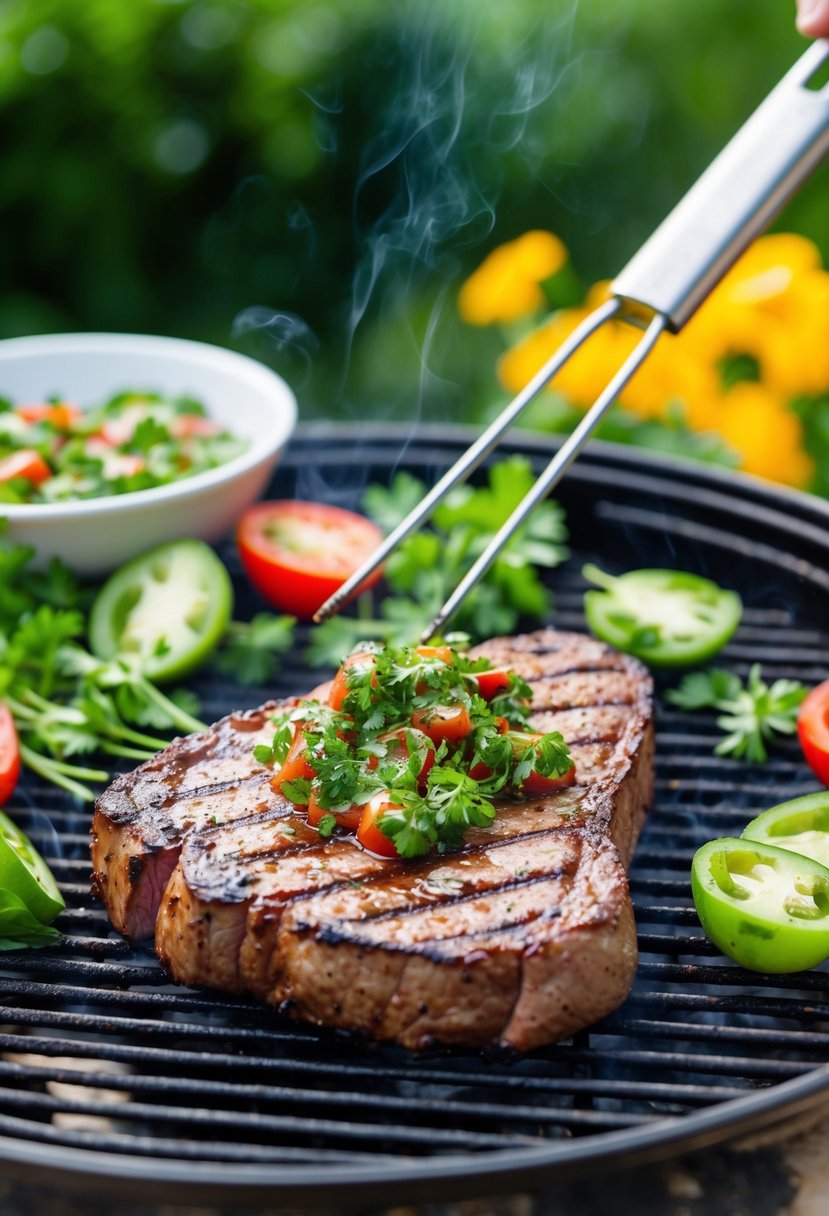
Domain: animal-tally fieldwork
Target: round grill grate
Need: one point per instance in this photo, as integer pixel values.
(109, 1073)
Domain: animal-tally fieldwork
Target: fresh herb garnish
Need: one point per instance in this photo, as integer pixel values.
(428, 565)
(752, 715)
(409, 726)
(251, 650)
(65, 701)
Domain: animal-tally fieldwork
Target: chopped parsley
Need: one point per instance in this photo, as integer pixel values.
(408, 726)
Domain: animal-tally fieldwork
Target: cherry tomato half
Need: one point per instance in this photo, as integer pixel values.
(296, 554)
(813, 730)
(9, 754)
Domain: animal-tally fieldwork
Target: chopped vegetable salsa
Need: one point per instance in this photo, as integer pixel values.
(53, 451)
(411, 748)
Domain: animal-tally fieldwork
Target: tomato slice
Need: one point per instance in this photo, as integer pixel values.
(765, 907)
(24, 872)
(443, 722)
(368, 833)
(813, 731)
(168, 608)
(296, 554)
(9, 754)
(26, 463)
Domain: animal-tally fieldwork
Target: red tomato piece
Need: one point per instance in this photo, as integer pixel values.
(61, 414)
(397, 742)
(346, 817)
(9, 754)
(193, 426)
(813, 731)
(536, 785)
(368, 833)
(296, 554)
(444, 653)
(295, 764)
(26, 463)
(443, 722)
(491, 683)
(339, 685)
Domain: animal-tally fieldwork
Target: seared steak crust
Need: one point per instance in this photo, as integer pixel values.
(522, 936)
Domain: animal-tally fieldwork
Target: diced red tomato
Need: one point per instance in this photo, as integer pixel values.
(295, 764)
(9, 754)
(536, 785)
(190, 426)
(368, 833)
(27, 464)
(61, 414)
(491, 683)
(297, 554)
(339, 685)
(444, 653)
(439, 722)
(813, 731)
(347, 817)
(397, 742)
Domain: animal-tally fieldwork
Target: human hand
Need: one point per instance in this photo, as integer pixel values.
(813, 18)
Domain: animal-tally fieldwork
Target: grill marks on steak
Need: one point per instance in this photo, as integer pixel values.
(522, 936)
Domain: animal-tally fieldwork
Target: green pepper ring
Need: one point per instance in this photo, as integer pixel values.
(774, 923)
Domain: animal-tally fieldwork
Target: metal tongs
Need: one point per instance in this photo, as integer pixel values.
(659, 289)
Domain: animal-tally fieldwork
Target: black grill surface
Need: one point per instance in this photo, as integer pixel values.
(110, 1076)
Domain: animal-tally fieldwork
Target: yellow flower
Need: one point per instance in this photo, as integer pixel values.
(768, 436)
(669, 374)
(773, 305)
(506, 285)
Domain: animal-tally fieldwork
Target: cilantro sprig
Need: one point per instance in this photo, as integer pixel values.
(752, 715)
(425, 567)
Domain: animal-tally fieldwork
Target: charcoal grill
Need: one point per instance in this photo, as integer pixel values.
(201, 1096)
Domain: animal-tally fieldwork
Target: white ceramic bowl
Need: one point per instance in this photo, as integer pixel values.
(95, 535)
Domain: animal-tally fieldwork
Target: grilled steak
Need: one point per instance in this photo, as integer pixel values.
(521, 936)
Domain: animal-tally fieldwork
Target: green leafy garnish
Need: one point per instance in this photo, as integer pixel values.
(413, 728)
(752, 715)
(251, 650)
(426, 567)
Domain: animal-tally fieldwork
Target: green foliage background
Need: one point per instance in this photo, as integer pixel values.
(310, 181)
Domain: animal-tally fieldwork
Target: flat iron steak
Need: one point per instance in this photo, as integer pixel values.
(521, 937)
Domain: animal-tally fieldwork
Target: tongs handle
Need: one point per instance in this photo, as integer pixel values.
(735, 199)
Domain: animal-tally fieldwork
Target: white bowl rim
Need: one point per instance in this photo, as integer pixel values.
(260, 448)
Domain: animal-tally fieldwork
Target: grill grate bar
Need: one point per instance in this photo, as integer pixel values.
(388, 1133)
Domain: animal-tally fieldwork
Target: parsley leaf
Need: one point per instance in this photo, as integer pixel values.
(752, 715)
(252, 649)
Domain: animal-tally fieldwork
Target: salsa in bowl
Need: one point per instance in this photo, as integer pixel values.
(154, 439)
